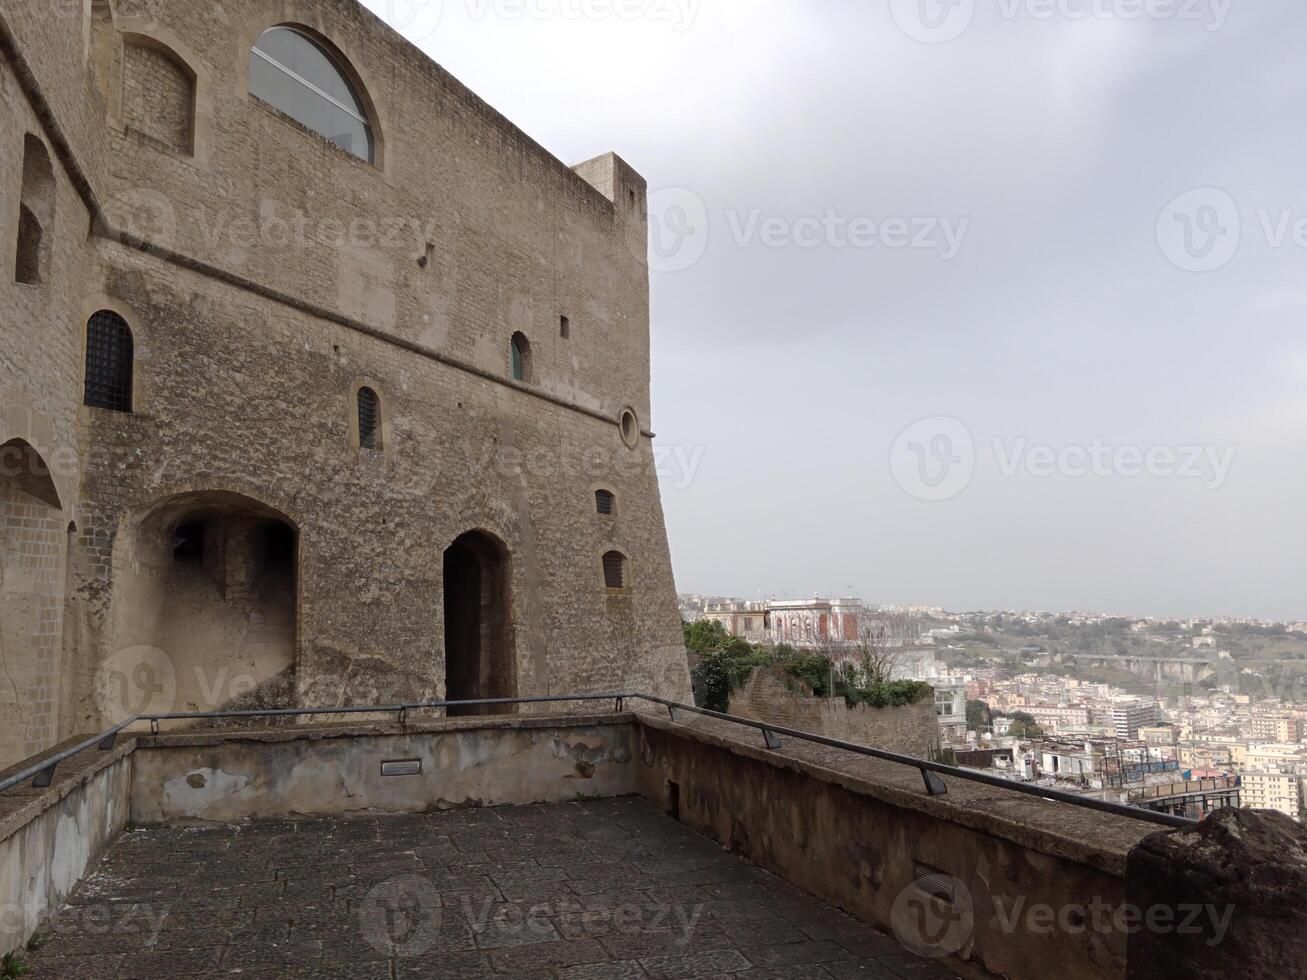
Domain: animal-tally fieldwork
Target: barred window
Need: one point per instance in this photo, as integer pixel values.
(108, 362)
(615, 570)
(605, 502)
(369, 419)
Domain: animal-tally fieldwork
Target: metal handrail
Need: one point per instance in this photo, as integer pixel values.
(43, 772)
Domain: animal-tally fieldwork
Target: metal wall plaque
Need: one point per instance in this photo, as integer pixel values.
(402, 767)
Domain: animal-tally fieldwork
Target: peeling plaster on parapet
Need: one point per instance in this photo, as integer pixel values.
(194, 793)
(71, 854)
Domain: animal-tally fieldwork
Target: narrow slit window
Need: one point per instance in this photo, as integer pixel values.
(564, 327)
(521, 357)
(615, 570)
(109, 356)
(369, 419)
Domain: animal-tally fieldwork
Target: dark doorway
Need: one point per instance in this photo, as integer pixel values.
(478, 643)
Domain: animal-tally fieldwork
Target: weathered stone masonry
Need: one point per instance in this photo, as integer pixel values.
(228, 539)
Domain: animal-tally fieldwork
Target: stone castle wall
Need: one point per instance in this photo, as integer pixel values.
(266, 275)
(768, 695)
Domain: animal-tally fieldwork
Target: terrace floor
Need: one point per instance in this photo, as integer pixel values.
(590, 890)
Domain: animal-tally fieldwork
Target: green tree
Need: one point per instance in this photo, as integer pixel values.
(979, 716)
(1024, 726)
(705, 636)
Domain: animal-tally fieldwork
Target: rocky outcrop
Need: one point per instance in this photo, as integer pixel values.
(1226, 899)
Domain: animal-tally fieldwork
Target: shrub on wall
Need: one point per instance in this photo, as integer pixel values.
(726, 663)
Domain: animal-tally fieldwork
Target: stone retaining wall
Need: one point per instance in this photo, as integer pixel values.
(769, 695)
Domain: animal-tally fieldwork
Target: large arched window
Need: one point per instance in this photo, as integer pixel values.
(108, 362)
(293, 73)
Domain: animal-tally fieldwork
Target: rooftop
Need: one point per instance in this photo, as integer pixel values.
(608, 888)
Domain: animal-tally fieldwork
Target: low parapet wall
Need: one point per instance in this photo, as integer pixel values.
(968, 878)
(989, 881)
(272, 774)
(51, 838)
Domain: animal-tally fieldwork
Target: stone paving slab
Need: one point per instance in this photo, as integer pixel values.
(603, 890)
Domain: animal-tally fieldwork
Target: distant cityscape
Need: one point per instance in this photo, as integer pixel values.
(1182, 716)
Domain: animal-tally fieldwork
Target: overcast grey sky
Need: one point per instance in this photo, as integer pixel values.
(986, 305)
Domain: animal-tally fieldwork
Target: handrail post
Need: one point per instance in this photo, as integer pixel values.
(769, 737)
(934, 785)
(618, 705)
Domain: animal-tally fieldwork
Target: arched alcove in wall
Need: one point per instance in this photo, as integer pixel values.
(206, 607)
(32, 552)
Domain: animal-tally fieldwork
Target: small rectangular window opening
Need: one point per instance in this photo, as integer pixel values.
(564, 327)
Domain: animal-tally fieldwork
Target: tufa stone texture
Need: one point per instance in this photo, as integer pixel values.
(1228, 897)
(229, 536)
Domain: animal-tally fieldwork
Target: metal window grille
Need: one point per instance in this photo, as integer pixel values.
(369, 417)
(605, 502)
(108, 362)
(614, 570)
